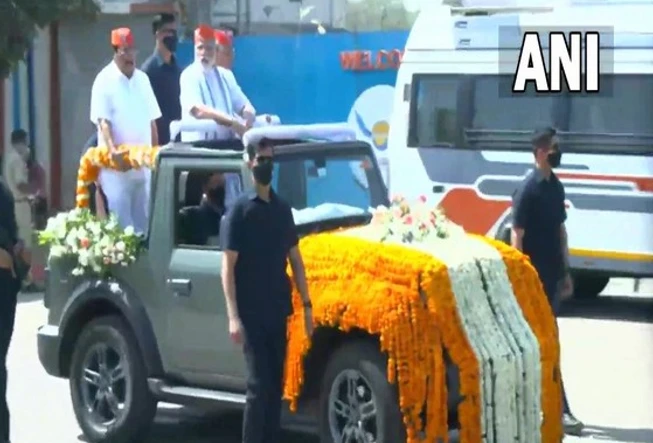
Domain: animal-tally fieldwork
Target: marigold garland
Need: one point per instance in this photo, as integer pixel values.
(401, 295)
(530, 295)
(100, 158)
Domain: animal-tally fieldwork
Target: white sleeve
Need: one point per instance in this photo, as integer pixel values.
(189, 91)
(153, 109)
(238, 98)
(100, 100)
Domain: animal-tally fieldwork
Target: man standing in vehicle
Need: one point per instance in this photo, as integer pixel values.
(125, 110)
(162, 69)
(224, 54)
(208, 93)
(259, 236)
(539, 216)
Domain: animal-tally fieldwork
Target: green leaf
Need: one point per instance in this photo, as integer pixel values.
(20, 20)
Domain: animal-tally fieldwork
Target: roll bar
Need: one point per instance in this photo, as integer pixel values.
(195, 125)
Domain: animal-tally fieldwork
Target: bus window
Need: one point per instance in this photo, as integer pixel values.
(456, 110)
(433, 114)
(624, 106)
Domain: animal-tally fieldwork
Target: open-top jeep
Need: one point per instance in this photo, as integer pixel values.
(395, 342)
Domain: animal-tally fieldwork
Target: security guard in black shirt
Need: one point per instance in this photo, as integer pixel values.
(259, 237)
(539, 215)
(163, 71)
(9, 286)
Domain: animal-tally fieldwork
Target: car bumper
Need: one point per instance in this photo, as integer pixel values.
(49, 342)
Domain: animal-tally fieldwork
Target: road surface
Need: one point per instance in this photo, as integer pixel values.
(607, 348)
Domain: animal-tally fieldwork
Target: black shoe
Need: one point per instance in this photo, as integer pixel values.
(571, 425)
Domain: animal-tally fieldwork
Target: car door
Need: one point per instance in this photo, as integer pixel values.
(197, 324)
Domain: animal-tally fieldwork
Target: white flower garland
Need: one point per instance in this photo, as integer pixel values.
(505, 346)
(523, 342)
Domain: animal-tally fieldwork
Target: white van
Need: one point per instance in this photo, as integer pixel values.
(460, 136)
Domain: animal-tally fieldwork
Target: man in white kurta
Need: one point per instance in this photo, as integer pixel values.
(124, 108)
(210, 92)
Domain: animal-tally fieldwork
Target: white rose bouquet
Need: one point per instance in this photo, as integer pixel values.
(95, 245)
(415, 222)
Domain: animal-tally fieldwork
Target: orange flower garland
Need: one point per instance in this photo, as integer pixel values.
(100, 158)
(537, 311)
(403, 296)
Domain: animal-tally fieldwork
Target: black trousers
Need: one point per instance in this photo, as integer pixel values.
(552, 290)
(8, 291)
(265, 355)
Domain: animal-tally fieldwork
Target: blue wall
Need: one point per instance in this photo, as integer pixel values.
(300, 78)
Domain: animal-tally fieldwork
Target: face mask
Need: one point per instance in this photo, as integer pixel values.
(170, 42)
(263, 173)
(216, 195)
(554, 158)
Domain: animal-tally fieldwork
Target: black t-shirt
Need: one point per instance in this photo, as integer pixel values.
(262, 233)
(164, 78)
(199, 223)
(538, 208)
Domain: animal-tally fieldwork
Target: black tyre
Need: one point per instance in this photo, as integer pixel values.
(356, 398)
(589, 285)
(108, 384)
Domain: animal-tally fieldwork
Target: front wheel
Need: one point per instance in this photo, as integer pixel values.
(357, 403)
(108, 384)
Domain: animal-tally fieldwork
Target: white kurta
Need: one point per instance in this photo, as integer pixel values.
(130, 105)
(217, 88)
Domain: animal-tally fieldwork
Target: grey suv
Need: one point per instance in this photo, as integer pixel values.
(157, 330)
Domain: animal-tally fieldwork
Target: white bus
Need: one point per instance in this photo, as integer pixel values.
(461, 137)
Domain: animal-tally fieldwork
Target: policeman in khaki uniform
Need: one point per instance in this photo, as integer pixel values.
(17, 179)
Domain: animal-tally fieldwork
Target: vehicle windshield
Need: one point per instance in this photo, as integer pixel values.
(328, 185)
(477, 111)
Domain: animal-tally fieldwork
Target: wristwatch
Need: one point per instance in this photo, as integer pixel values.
(308, 305)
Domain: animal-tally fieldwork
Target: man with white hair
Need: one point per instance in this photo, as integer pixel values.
(210, 92)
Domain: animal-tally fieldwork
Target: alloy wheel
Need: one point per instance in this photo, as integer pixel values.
(352, 409)
(105, 385)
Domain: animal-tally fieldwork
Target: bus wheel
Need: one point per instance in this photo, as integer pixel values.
(589, 286)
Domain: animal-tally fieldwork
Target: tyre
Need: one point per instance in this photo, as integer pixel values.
(356, 402)
(108, 384)
(589, 285)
